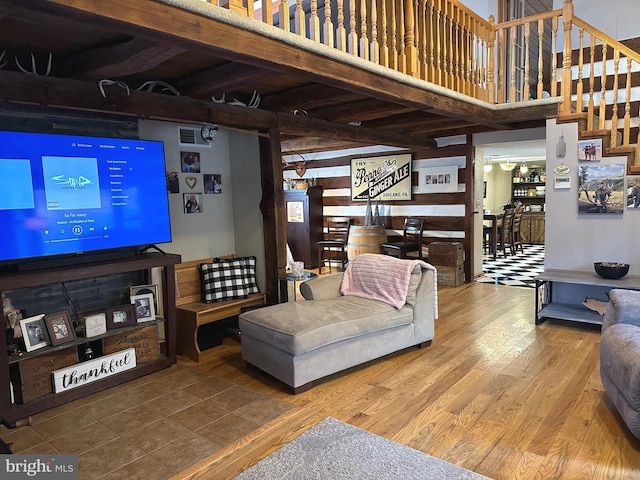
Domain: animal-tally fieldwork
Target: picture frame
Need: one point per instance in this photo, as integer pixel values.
(601, 188)
(144, 307)
(382, 178)
(590, 150)
(142, 289)
(437, 179)
(121, 316)
(59, 328)
(34, 332)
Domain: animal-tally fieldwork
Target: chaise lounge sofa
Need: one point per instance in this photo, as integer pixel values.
(378, 306)
(620, 355)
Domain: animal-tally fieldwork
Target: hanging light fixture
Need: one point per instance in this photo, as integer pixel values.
(523, 168)
(487, 166)
(507, 166)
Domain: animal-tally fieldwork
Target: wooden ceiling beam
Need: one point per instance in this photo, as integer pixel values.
(315, 127)
(363, 110)
(117, 61)
(315, 144)
(21, 88)
(308, 98)
(231, 76)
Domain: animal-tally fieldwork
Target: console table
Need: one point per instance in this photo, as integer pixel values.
(559, 294)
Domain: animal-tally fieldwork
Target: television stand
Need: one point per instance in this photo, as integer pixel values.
(151, 247)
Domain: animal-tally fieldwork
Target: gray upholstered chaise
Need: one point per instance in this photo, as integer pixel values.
(299, 342)
(620, 355)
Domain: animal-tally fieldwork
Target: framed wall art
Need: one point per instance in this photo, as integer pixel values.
(438, 179)
(59, 328)
(601, 188)
(381, 178)
(590, 150)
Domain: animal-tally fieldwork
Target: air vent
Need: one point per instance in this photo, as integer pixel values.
(190, 136)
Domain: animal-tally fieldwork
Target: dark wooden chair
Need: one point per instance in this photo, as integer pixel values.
(515, 231)
(334, 245)
(505, 231)
(411, 239)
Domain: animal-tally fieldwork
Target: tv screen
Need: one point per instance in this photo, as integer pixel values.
(68, 195)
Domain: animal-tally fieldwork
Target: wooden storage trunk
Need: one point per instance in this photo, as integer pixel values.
(450, 276)
(450, 254)
(144, 340)
(32, 377)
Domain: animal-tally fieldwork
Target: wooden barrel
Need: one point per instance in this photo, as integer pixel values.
(365, 240)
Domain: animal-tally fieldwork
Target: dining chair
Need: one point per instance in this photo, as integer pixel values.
(411, 239)
(505, 231)
(334, 245)
(515, 231)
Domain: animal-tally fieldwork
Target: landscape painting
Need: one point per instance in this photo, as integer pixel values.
(633, 192)
(601, 188)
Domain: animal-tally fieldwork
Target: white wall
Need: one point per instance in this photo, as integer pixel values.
(211, 232)
(616, 18)
(574, 241)
(245, 171)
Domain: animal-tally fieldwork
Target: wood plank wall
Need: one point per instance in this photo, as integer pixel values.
(447, 215)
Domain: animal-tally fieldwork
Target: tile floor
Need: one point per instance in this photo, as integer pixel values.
(150, 428)
(517, 270)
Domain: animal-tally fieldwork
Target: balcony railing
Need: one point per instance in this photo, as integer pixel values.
(445, 43)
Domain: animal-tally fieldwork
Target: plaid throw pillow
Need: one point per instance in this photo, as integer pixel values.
(250, 271)
(223, 281)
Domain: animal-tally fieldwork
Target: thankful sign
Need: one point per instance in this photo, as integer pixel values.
(92, 370)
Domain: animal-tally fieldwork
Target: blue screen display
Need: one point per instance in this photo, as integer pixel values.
(62, 194)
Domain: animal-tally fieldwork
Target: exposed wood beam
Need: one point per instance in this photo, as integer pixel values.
(309, 97)
(314, 144)
(301, 125)
(20, 88)
(253, 48)
(231, 76)
(117, 61)
(363, 110)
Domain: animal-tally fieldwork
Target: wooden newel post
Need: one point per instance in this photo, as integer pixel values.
(491, 81)
(410, 49)
(565, 86)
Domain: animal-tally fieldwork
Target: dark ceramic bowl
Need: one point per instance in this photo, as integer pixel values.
(611, 270)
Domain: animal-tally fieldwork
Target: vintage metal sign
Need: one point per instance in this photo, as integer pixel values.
(381, 178)
(92, 370)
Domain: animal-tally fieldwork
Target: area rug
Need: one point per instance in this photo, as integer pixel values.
(334, 450)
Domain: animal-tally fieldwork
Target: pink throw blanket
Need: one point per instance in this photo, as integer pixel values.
(383, 278)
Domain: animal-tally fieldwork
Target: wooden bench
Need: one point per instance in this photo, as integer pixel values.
(191, 312)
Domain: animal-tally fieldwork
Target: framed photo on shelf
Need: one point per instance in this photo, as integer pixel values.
(121, 316)
(142, 289)
(144, 307)
(34, 332)
(59, 328)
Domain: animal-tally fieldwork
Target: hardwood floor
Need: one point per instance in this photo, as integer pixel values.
(493, 393)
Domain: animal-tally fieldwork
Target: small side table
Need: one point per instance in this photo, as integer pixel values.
(295, 280)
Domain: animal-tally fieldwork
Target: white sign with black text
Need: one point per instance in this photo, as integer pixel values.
(92, 370)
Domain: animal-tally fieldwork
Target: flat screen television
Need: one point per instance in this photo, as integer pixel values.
(65, 198)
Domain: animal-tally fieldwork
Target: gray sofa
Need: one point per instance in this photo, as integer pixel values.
(620, 355)
(299, 342)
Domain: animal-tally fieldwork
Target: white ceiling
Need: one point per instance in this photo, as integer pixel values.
(523, 151)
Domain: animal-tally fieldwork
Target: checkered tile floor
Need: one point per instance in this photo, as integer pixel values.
(514, 270)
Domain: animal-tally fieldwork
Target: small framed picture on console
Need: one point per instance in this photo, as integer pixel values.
(60, 328)
(121, 316)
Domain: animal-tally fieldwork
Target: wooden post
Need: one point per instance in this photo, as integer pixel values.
(299, 20)
(579, 86)
(267, 12)
(527, 87)
(384, 46)
(565, 86)
(627, 107)
(352, 43)
(592, 57)
(283, 16)
(603, 88)
(402, 57)
(614, 106)
(410, 40)
(328, 24)
(374, 46)
(540, 59)
(364, 39)
(393, 59)
(491, 83)
(341, 32)
(314, 22)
